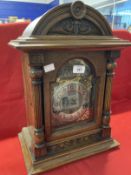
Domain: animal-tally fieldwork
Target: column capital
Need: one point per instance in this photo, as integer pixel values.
(36, 74)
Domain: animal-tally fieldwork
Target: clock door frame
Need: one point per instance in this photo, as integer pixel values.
(97, 59)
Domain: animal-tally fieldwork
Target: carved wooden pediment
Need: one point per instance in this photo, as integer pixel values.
(69, 26)
(70, 19)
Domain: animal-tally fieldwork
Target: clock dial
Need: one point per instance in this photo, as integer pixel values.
(71, 94)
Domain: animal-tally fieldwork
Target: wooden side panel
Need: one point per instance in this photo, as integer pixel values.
(28, 90)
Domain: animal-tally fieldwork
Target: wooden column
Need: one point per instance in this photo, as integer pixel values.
(39, 148)
(111, 64)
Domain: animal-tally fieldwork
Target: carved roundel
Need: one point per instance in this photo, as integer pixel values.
(78, 10)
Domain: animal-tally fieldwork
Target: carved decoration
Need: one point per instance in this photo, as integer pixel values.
(74, 143)
(71, 26)
(78, 10)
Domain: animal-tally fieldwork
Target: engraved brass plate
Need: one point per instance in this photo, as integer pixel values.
(71, 93)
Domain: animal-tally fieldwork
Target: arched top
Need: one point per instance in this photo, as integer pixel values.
(69, 19)
(66, 70)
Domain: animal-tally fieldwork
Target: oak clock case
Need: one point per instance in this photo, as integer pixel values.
(68, 66)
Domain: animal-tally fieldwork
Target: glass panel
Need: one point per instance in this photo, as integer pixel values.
(71, 94)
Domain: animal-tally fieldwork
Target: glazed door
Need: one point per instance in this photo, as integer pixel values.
(71, 86)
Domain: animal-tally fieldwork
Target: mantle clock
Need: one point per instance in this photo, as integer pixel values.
(68, 65)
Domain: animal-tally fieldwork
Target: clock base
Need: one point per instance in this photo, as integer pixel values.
(35, 167)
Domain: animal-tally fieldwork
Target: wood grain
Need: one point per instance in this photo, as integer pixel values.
(63, 34)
